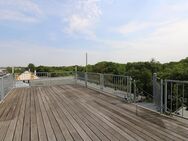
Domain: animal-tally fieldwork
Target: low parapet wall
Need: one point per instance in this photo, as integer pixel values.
(53, 81)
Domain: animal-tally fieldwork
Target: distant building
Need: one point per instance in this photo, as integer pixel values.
(27, 75)
(3, 72)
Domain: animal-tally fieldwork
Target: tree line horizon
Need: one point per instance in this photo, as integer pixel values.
(142, 72)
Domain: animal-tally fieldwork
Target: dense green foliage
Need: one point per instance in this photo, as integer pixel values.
(17, 70)
(140, 71)
(31, 67)
(175, 70)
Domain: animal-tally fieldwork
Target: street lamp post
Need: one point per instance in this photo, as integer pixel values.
(86, 71)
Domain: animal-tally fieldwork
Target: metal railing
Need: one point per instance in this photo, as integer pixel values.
(176, 97)
(118, 85)
(169, 96)
(151, 101)
(54, 74)
(53, 78)
(6, 84)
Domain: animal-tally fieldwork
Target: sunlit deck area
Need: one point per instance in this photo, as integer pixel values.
(72, 112)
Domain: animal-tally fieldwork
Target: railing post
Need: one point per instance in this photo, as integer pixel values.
(101, 81)
(165, 95)
(13, 81)
(134, 91)
(154, 88)
(161, 106)
(130, 88)
(2, 88)
(76, 75)
(86, 79)
(183, 98)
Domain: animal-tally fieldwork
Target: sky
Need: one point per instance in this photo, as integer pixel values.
(60, 32)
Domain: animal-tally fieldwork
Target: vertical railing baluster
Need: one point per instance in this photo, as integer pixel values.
(2, 88)
(161, 106)
(101, 81)
(177, 94)
(86, 77)
(183, 99)
(166, 94)
(76, 75)
(171, 97)
(134, 82)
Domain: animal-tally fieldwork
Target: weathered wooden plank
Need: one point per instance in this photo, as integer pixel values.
(79, 121)
(6, 118)
(124, 124)
(69, 113)
(160, 120)
(19, 125)
(40, 123)
(155, 129)
(66, 121)
(109, 131)
(108, 121)
(170, 124)
(10, 133)
(26, 135)
(62, 125)
(80, 113)
(55, 126)
(48, 127)
(6, 107)
(81, 132)
(34, 129)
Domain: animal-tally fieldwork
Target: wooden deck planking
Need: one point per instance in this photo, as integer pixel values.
(115, 133)
(171, 133)
(81, 115)
(7, 114)
(64, 131)
(69, 112)
(40, 123)
(26, 133)
(19, 125)
(109, 132)
(34, 129)
(12, 126)
(132, 125)
(84, 125)
(54, 123)
(49, 131)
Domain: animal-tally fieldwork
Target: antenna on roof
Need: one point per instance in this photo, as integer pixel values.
(12, 70)
(86, 62)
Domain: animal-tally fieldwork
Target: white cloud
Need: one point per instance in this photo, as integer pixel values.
(132, 27)
(168, 42)
(171, 8)
(140, 26)
(77, 17)
(77, 24)
(81, 16)
(19, 10)
(9, 15)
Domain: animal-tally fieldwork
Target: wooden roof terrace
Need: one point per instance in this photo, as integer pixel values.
(72, 112)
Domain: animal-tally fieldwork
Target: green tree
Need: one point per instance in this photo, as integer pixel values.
(9, 69)
(31, 67)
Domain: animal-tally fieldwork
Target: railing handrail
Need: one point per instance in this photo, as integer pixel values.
(5, 75)
(176, 81)
(105, 74)
(54, 72)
